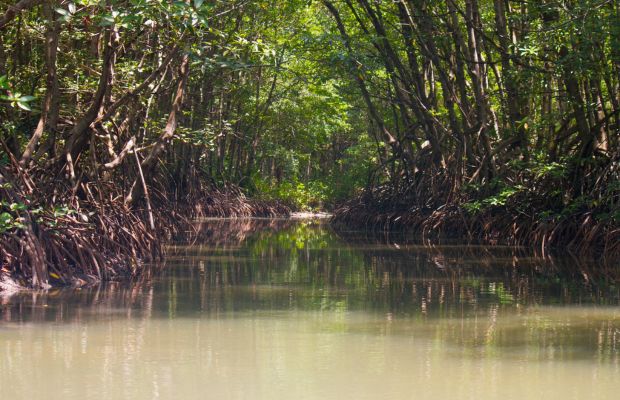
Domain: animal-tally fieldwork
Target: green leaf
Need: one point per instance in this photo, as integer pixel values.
(17, 207)
(107, 20)
(62, 12)
(198, 3)
(24, 106)
(4, 82)
(5, 218)
(6, 222)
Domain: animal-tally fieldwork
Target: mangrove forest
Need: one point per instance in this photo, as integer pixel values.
(309, 199)
(124, 120)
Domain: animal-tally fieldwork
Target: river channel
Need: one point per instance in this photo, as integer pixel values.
(277, 309)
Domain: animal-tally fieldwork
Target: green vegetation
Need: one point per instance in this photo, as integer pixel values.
(497, 113)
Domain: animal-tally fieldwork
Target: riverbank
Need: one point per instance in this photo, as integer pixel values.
(88, 234)
(584, 231)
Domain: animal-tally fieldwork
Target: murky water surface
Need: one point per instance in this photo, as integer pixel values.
(290, 310)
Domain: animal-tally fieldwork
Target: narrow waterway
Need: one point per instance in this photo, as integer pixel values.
(291, 310)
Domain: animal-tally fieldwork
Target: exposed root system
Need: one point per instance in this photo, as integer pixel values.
(87, 234)
(579, 233)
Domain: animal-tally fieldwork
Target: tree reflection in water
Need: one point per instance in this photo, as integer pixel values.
(480, 299)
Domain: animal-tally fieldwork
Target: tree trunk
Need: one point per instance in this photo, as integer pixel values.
(14, 10)
(50, 108)
(79, 136)
(167, 135)
(509, 77)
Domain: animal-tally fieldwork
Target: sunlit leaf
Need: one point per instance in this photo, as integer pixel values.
(24, 106)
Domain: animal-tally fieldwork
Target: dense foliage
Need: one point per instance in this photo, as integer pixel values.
(506, 111)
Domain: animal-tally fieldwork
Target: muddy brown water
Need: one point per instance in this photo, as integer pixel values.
(292, 310)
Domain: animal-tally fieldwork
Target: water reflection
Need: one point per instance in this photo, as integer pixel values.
(476, 297)
(274, 309)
